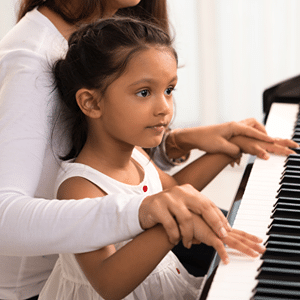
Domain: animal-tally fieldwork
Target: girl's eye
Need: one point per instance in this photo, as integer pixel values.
(143, 93)
(169, 91)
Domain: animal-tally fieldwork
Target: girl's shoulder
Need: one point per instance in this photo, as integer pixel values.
(141, 157)
(71, 170)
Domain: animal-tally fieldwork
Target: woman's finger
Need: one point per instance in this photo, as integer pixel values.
(255, 124)
(252, 132)
(286, 143)
(185, 222)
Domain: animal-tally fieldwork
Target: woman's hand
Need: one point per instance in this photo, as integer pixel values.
(262, 149)
(236, 239)
(214, 138)
(174, 208)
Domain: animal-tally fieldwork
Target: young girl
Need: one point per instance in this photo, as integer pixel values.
(116, 85)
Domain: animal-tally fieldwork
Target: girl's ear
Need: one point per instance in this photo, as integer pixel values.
(88, 102)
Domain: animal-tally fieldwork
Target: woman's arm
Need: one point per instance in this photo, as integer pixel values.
(262, 149)
(204, 169)
(27, 171)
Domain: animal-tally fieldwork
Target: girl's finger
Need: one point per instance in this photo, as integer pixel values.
(244, 242)
(220, 248)
(286, 143)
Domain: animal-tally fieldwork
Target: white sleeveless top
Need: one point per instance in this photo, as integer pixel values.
(168, 281)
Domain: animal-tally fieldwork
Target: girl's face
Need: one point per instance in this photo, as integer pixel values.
(138, 106)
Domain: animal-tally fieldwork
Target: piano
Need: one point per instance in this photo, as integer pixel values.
(270, 209)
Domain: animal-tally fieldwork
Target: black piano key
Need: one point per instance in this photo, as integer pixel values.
(291, 180)
(295, 206)
(266, 292)
(279, 268)
(264, 297)
(287, 200)
(273, 242)
(289, 194)
(296, 139)
(288, 171)
(297, 150)
(284, 222)
(292, 160)
(289, 186)
(279, 278)
(292, 166)
(279, 256)
(296, 156)
(284, 248)
(283, 231)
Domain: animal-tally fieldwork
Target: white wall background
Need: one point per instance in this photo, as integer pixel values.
(230, 51)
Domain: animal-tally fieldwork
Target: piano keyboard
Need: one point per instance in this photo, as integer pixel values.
(278, 270)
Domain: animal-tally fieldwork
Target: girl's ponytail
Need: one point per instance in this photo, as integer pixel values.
(70, 112)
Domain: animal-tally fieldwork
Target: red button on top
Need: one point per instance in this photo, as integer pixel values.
(145, 188)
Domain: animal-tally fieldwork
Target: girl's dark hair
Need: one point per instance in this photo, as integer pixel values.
(150, 10)
(98, 54)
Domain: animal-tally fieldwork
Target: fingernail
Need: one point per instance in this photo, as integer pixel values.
(228, 226)
(189, 245)
(266, 156)
(223, 232)
(262, 248)
(226, 261)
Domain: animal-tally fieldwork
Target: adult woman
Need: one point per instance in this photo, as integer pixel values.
(31, 228)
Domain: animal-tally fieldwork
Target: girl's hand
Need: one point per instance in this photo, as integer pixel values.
(236, 239)
(262, 149)
(214, 138)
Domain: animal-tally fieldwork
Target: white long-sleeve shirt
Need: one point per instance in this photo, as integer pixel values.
(31, 227)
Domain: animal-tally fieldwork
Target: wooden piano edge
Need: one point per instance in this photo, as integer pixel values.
(231, 217)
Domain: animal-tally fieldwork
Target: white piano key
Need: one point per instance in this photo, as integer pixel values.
(236, 280)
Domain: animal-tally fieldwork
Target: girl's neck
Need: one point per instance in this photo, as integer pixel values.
(115, 162)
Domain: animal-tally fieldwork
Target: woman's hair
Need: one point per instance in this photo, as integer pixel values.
(98, 54)
(151, 10)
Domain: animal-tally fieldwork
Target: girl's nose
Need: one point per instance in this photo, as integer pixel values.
(164, 105)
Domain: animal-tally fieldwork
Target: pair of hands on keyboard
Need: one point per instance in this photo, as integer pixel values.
(230, 138)
(187, 214)
(262, 148)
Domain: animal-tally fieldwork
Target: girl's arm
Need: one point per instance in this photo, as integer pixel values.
(198, 173)
(114, 274)
(203, 170)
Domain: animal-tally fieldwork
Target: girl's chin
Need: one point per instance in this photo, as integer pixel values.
(152, 144)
